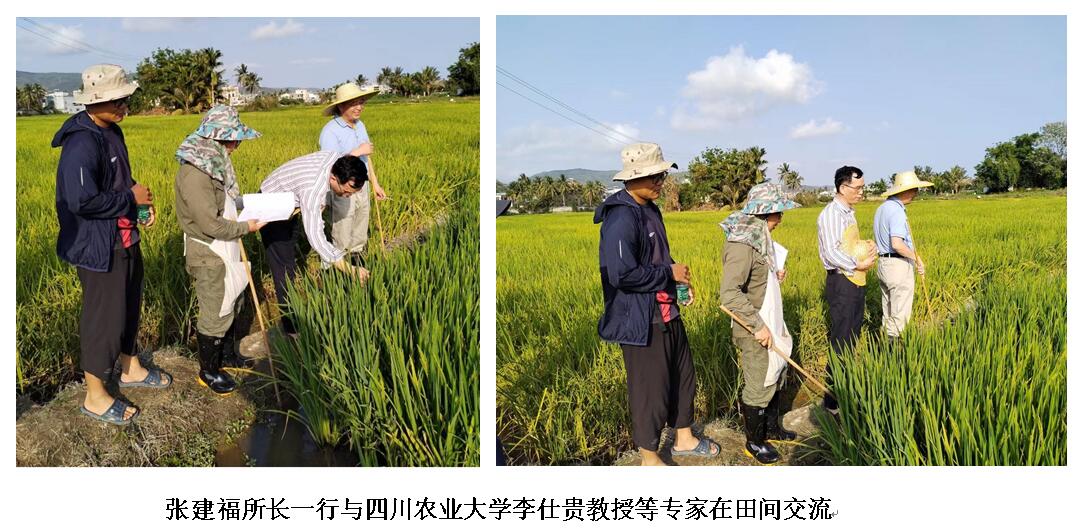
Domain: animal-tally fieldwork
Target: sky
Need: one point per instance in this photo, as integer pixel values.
(294, 52)
(818, 92)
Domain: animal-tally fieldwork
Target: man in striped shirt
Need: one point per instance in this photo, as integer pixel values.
(309, 178)
(845, 300)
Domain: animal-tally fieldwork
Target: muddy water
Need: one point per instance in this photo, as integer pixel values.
(275, 441)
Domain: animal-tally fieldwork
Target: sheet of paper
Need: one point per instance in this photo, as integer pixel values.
(780, 256)
(267, 207)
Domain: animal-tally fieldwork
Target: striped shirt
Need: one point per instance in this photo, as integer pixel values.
(307, 178)
(833, 220)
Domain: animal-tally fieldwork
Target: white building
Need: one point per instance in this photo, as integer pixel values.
(64, 102)
(302, 94)
(234, 97)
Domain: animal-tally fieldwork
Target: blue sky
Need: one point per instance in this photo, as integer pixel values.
(306, 52)
(883, 93)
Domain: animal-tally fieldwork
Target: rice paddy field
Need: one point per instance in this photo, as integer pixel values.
(981, 379)
(427, 159)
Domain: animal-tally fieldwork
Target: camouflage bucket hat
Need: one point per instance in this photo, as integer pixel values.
(767, 198)
(223, 123)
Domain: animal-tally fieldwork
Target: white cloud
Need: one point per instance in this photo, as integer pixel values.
(539, 147)
(272, 30)
(149, 25)
(736, 86)
(60, 39)
(814, 129)
(312, 60)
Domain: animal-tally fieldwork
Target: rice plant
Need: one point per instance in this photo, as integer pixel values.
(391, 367)
(561, 393)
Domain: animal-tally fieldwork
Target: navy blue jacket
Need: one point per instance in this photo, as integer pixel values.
(86, 204)
(629, 281)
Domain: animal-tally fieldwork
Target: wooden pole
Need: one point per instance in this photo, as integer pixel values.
(777, 351)
(379, 225)
(262, 325)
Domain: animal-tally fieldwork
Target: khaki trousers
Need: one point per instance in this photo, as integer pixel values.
(897, 293)
(350, 221)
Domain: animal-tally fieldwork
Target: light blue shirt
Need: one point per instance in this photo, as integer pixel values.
(890, 221)
(339, 137)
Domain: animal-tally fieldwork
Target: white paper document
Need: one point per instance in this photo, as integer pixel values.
(267, 207)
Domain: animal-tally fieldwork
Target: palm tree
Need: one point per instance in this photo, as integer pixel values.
(242, 74)
(428, 79)
(361, 80)
(789, 178)
(594, 193)
(209, 64)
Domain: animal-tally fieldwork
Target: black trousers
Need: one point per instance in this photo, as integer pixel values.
(846, 312)
(661, 383)
(109, 322)
(280, 241)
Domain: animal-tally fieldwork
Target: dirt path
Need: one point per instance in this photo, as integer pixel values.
(183, 425)
(732, 441)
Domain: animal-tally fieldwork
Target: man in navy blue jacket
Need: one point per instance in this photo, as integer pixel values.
(97, 207)
(639, 284)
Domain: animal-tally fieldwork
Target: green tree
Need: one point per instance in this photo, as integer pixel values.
(429, 80)
(1054, 136)
(999, 170)
(464, 77)
(361, 80)
(725, 176)
(877, 188)
(789, 178)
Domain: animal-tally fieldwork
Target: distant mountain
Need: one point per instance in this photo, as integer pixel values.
(589, 175)
(65, 82)
(580, 175)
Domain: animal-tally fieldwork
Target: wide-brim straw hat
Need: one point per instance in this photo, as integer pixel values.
(767, 198)
(104, 82)
(223, 123)
(904, 181)
(642, 159)
(349, 92)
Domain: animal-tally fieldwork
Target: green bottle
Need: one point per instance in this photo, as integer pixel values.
(144, 213)
(684, 297)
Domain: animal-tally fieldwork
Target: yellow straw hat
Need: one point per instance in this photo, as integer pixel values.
(349, 92)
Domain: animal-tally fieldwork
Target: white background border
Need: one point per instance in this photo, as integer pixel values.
(882, 496)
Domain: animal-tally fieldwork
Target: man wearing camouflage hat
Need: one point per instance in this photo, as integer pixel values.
(639, 285)
(748, 261)
(206, 193)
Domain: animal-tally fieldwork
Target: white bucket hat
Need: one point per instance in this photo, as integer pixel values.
(104, 82)
(903, 181)
(349, 92)
(642, 159)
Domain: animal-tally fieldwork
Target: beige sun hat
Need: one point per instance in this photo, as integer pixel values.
(104, 82)
(903, 181)
(642, 159)
(349, 92)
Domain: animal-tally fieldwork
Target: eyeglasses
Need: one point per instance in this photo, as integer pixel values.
(659, 178)
(122, 102)
(859, 188)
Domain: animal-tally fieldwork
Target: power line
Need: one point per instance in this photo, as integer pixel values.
(557, 101)
(581, 124)
(78, 42)
(72, 43)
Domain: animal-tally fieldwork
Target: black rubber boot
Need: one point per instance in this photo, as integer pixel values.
(231, 358)
(775, 431)
(756, 444)
(210, 364)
